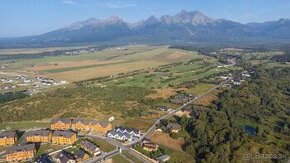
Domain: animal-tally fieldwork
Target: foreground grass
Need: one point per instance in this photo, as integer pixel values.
(104, 146)
(131, 157)
(119, 159)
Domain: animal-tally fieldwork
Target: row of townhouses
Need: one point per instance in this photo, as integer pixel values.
(80, 125)
(124, 133)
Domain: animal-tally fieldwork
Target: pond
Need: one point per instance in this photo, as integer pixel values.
(250, 130)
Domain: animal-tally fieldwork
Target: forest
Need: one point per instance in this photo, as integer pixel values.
(222, 133)
(10, 96)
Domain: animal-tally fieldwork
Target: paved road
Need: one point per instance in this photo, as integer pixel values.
(127, 146)
(152, 128)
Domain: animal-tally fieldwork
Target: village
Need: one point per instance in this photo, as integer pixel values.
(27, 84)
(74, 138)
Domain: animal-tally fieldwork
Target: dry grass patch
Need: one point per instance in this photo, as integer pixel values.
(164, 93)
(176, 55)
(166, 140)
(142, 124)
(83, 74)
(209, 98)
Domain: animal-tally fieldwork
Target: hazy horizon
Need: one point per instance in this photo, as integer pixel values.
(36, 17)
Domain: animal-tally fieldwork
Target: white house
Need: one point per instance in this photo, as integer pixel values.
(120, 136)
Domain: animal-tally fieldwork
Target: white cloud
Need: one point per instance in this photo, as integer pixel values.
(69, 2)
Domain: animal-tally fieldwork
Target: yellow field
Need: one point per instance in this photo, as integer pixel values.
(96, 64)
(89, 73)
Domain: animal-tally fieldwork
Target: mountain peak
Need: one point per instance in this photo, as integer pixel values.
(194, 18)
(88, 22)
(151, 20)
(114, 20)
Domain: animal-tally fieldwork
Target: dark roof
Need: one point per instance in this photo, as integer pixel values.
(10, 134)
(188, 109)
(64, 157)
(79, 154)
(101, 123)
(17, 148)
(64, 120)
(87, 145)
(83, 121)
(173, 126)
(67, 134)
(38, 132)
(43, 159)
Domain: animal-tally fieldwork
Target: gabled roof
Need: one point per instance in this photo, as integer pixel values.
(150, 145)
(66, 134)
(10, 134)
(101, 123)
(79, 120)
(79, 154)
(38, 132)
(89, 146)
(63, 120)
(64, 157)
(187, 109)
(120, 134)
(129, 130)
(43, 159)
(173, 126)
(18, 148)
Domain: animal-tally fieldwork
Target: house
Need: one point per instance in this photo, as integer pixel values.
(90, 148)
(79, 155)
(187, 111)
(120, 136)
(148, 145)
(163, 158)
(39, 136)
(132, 131)
(173, 127)
(100, 126)
(20, 152)
(164, 108)
(64, 157)
(60, 124)
(43, 159)
(80, 124)
(63, 137)
(8, 138)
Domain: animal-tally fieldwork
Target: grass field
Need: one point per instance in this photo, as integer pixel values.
(101, 63)
(104, 146)
(119, 159)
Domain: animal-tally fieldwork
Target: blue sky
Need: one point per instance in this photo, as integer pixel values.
(29, 17)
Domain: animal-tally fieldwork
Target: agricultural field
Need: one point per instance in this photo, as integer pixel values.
(114, 82)
(94, 64)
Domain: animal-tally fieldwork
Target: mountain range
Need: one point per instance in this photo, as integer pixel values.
(184, 27)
